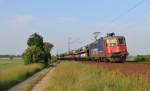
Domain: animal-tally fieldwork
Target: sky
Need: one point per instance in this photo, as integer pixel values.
(58, 20)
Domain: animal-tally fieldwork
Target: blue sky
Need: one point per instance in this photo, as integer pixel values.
(56, 20)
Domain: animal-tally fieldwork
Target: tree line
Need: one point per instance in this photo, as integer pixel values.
(7, 56)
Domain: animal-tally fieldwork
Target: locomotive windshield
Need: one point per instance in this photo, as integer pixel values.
(112, 42)
(121, 40)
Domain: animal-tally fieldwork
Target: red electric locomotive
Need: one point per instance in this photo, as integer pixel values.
(115, 48)
(109, 49)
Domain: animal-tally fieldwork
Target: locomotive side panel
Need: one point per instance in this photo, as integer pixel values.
(96, 49)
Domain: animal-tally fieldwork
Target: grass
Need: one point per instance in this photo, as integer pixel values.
(7, 63)
(74, 76)
(13, 72)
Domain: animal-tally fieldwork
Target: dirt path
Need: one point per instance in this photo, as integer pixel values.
(29, 82)
(41, 85)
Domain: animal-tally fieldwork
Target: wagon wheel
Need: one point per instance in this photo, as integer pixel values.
(106, 60)
(123, 59)
(116, 60)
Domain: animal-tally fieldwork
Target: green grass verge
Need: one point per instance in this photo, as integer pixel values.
(74, 76)
(12, 74)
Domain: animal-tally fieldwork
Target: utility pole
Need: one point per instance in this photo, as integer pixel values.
(71, 41)
(69, 38)
(57, 52)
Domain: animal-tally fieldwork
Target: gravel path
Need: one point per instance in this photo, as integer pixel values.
(19, 86)
(41, 85)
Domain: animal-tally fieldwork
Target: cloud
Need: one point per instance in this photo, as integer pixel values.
(15, 22)
(21, 21)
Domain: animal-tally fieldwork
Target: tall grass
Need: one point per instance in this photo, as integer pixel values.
(73, 76)
(11, 76)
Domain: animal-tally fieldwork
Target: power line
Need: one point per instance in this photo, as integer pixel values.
(129, 10)
(126, 12)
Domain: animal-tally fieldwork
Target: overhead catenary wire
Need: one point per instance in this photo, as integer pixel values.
(129, 10)
(114, 20)
(126, 12)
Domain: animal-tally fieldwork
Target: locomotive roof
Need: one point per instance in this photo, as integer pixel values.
(102, 38)
(112, 37)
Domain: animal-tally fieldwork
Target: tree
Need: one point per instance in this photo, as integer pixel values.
(35, 40)
(37, 51)
(27, 56)
(47, 48)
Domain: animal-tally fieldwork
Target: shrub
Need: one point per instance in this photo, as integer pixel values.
(140, 58)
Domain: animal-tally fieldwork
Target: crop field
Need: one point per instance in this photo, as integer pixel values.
(8, 64)
(14, 71)
(75, 76)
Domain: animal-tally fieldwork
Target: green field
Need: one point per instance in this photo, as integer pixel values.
(74, 76)
(14, 71)
(7, 63)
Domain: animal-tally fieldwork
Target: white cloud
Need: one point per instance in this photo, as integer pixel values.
(21, 21)
(15, 22)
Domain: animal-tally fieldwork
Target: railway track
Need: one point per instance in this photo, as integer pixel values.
(139, 62)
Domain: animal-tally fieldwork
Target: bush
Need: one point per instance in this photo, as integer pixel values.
(140, 58)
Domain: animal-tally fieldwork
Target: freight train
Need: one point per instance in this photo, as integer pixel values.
(110, 48)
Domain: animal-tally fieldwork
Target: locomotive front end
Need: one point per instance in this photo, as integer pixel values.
(116, 49)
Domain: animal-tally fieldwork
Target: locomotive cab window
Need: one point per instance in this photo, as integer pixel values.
(121, 40)
(112, 42)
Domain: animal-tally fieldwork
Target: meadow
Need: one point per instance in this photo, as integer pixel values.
(6, 63)
(14, 71)
(74, 76)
